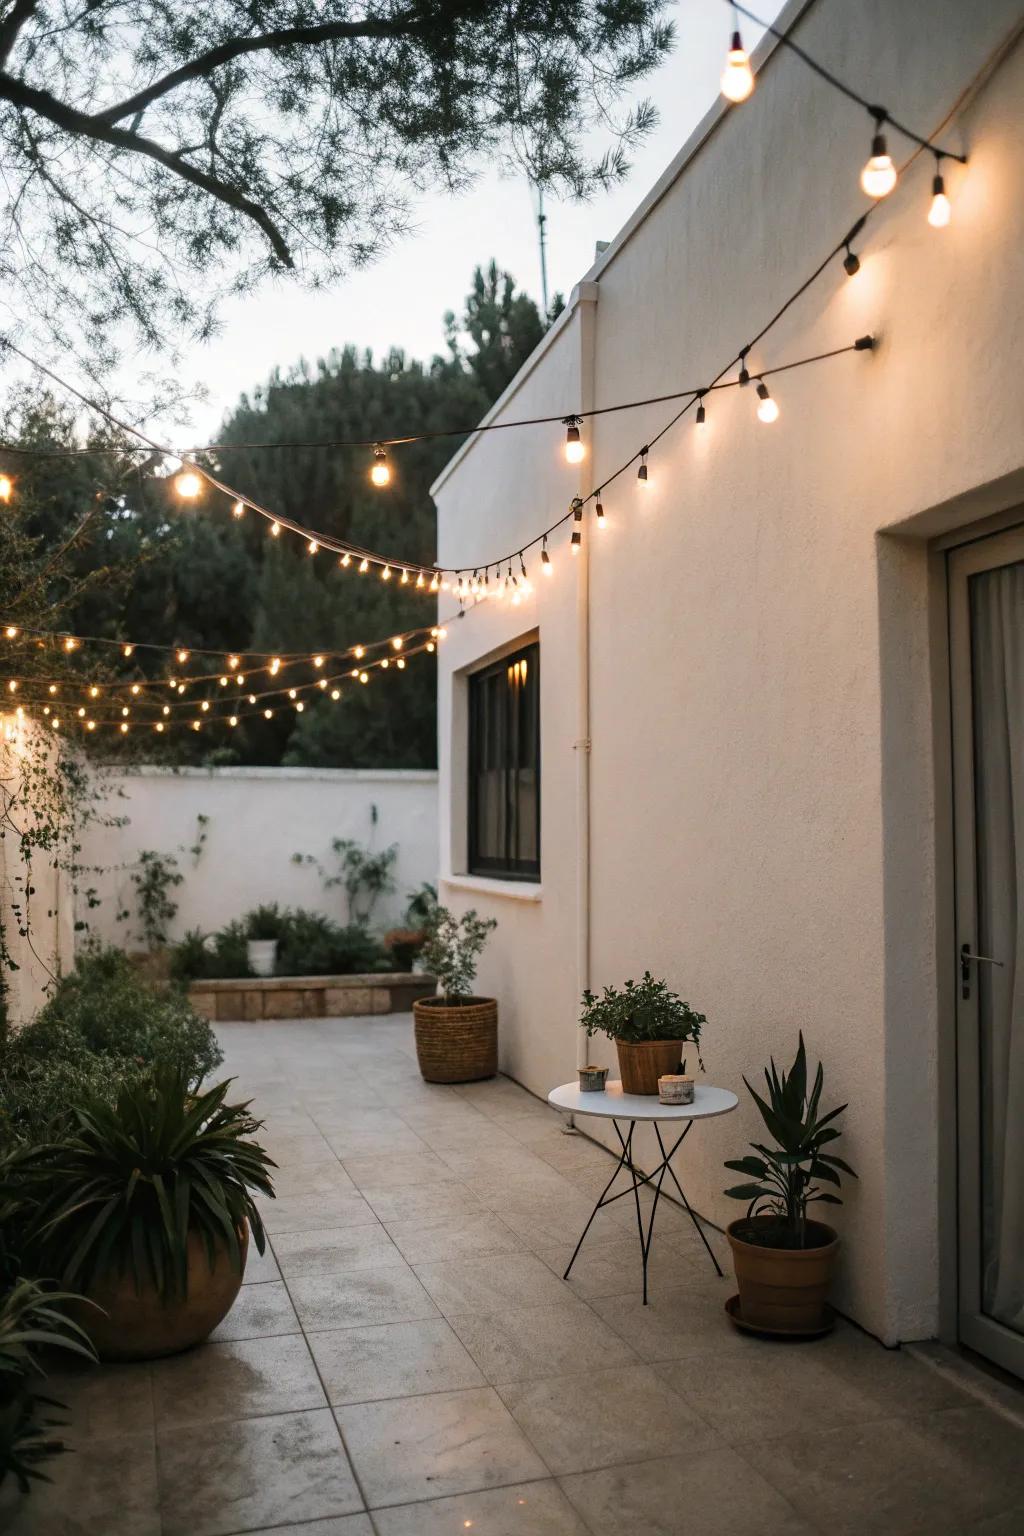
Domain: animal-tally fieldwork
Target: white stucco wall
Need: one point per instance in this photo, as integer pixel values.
(762, 776)
(258, 818)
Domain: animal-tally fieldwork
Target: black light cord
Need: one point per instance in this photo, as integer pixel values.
(880, 114)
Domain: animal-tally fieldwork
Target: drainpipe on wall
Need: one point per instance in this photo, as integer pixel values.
(586, 300)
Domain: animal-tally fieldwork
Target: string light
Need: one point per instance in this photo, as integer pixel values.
(363, 677)
(6, 487)
(767, 408)
(127, 650)
(182, 657)
(11, 632)
(70, 643)
(545, 558)
(879, 174)
(575, 541)
(599, 513)
(275, 529)
(238, 510)
(364, 566)
(335, 694)
(380, 471)
(312, 546)
(397, 643)
(641, 473)
(737, 78)
(385, 574)
(232, 720)
(188, 485)
(405, 579)
(701, 414)
(575, 452)
(346, 560)
(940, 212)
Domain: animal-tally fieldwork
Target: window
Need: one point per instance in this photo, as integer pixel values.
(504, 767)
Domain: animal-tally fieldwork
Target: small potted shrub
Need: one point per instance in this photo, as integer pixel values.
(784, 1261)
(649, 1024)
(456, 1033)
(145, 1207)
(263, 927)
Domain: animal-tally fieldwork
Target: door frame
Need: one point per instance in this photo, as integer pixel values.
(955, 558)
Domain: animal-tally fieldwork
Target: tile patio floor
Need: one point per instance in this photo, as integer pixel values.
(408, 1361)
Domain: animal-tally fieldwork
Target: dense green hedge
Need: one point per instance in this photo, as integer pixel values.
(104, 1024)
(308, 944)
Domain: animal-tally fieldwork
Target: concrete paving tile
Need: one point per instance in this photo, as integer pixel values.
(523, 1509)
(108, 1489)
(241, 1380)
(492, 1282)
(332, 1251)
(260, 1311)
(390, 1293)
(392, 1360)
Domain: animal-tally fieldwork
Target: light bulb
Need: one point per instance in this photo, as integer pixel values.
(159, 726)
(124, 728)
(396, 644)
(188, 485)
(702, 415)
(238, 510)
(575, 452)
(879, 174)
(602, 521)
(346, 560)
(335, 694)
(233, 663)
(6, 487)
(182, 657)
(11, 632)
(70, 643)
(364, 566)
(545, 559)
(940, 211)
(380, 472)
(268, 714)
(127, 650)
(385, 574)
(359, 652)
(363, 677)
(312, 546)
(737, 79)
(400, 664)
(405, 578)
(641, 474)
(421, 580)
(299, 707)
(575, 541)
(767, 409)
(851, 263)
(275, 529)
(232, 719)
(318, 661)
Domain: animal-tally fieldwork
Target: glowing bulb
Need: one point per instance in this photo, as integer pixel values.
(188, 485)
(312, 546)
(70, 643)
(232, 720)
(442, 633)
(405, 579)
(275, 665)
(94, 692)
(575, 452)
(12, 686)
(641, 473)
(275, 529)
(322, 683)
(737, 80)
(55, 723)
(879, 174)
(385, 663)
(299, 707)
(197, 725)
(11, 632)
(293, 693)
(575, 541)
(346, 560)
(159, 726)
(124, 709)
(318, 661)
(166, 709)
(124, 728)
(364, 566)
(396, 644)
(400, 664)
(767, 409)
(127, 650)
(363, 677)
(135, 688)
(385, 574)
(335, 694)
(421, 580)
(81, 714)
(182, 657)
(545, 559)
(380, 472)
(224, 682)
(233, 663)
(431, 647)
(602, 521)
(359, 652)
(268, 714)
(52, 688)
(940, 212)
(90, 725)
(6, 487)
(238, 510)
(204, 706)
(434, 583)
(181, 687)
(252, 698)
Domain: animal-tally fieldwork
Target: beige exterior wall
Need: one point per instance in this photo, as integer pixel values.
(763, 823)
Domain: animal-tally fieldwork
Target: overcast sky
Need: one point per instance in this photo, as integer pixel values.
(401, 299)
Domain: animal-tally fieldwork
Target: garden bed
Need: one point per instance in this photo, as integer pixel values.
(308, 997)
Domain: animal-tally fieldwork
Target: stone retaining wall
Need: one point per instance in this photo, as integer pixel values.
(308, 997)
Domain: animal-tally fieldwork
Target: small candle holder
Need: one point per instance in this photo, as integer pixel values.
(593, 1079)
(675, 1088)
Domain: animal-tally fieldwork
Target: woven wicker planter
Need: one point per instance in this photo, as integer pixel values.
(642, 1062)
(456, 1042)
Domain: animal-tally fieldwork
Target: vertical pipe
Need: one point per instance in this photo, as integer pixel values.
(587, 302)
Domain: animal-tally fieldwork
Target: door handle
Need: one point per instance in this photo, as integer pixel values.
(966, 960)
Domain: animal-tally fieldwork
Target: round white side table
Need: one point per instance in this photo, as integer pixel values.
(614, 1105)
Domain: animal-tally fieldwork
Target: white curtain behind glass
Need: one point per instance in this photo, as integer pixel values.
(997, 647)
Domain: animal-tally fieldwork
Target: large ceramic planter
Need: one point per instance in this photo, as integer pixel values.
(783, 1290)
(137, 1325)
(456, 1042)
(642, 1062)
(262, 956)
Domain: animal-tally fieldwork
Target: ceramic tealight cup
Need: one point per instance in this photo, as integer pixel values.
(675, 1088)
(592, 1079)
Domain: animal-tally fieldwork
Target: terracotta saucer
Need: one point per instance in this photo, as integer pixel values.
(732, 1308)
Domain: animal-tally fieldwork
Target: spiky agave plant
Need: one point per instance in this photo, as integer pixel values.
(31, 1319)
(787, 1178)
(131, 1181)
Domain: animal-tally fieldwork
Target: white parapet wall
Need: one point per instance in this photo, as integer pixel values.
(256, 820)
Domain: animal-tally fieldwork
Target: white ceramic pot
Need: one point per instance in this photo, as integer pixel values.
(262, 955)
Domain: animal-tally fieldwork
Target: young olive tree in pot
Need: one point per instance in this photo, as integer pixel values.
(649, 1024)
(784, 1260)
(456, 1033)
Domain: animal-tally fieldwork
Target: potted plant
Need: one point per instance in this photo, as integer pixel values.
(263, 930)
(649, 1025)
(784, 1261)
(144, 1207)
(456, 1033)
(406, 943)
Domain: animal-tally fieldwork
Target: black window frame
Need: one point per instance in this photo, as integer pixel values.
(509, 865)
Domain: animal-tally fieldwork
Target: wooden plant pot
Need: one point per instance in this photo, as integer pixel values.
(456, 1042)
(783, 1289)
(137, 1325)
(641, 1063)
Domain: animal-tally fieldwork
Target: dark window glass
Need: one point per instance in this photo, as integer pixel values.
(504, 767)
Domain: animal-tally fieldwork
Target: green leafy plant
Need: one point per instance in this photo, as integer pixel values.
(642, 1010)
(200, 955)
(452, 949)
(264, 922)
(124, 1189)
(421, 906)
(364, 875)
(31, 1320)
(783, 1180)
(103, 1025)
(314, 945)
(156, 875)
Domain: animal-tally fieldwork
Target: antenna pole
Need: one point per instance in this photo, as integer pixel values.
(542, 220)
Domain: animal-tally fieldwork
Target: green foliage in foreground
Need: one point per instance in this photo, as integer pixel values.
(129, 1183)
(785, 1179)
(31, 1320)
(104, 1025)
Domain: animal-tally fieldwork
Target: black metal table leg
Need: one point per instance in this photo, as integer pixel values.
(601, 1200)
(682, 1196)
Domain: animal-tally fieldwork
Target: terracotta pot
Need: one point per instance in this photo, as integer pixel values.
(456, 1042)
(137, 1325)
(643, 1062)
(783, 1288)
